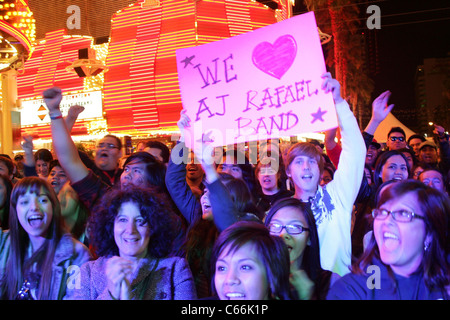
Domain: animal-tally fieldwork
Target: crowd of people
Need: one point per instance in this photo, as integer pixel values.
(346, 219)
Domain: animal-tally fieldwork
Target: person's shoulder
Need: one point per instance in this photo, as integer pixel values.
(4, 233)
(351, 286)
(4, 237)
(69, 246)
(173, 263)
(95, 265)
(283, 193)
(171, 260)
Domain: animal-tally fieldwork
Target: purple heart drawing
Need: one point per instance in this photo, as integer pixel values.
(276, 59)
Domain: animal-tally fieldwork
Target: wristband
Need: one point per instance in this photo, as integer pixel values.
(56, 117)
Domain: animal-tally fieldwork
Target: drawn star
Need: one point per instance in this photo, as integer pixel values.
(318, 115)
(187, 61)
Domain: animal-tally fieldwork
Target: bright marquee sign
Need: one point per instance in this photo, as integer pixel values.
(35, 112)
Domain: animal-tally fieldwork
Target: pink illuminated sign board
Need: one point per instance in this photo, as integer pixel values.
(258, 85)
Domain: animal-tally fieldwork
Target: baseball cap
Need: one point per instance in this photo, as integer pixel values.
(427, 143)
(375, 144)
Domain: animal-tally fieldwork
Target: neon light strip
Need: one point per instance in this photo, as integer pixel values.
(23, 39)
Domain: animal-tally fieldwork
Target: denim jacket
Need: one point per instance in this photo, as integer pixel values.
(69, 256)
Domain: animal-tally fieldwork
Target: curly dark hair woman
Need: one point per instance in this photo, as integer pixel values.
(132, 232)
(154, 208)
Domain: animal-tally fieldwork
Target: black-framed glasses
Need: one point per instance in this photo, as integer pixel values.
(290, 228)
(398, 215)
(401, 139)
(107, 146)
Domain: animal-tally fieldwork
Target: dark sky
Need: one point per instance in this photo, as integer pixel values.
(410, 31)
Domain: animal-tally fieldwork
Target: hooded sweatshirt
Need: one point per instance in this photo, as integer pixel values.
(378, 284)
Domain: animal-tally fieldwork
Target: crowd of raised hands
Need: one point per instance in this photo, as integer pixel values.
(308, 221)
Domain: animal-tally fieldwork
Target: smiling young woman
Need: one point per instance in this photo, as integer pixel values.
(36, 251)
(247, 263)
(408, 248)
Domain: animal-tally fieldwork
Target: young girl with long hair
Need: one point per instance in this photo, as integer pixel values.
(248, 263)
(37, 256)
(294, 222)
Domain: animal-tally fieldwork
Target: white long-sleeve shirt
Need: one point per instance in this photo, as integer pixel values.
(333, 203)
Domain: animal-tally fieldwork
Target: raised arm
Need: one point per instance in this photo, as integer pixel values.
(349, 174)
(223, 208)
(380, 110)
(72, 116)
(176, 183)
(444, 154)
(29, 165)
(335, 230)
(332, 147)
(65, 149)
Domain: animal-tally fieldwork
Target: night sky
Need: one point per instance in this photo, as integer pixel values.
(405, 40)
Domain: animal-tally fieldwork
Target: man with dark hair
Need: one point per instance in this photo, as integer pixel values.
(396, 139)
(159, 150)
(18, 161)
(107, 154)
(6, 166)
(428, 153)
(83, 178)
(373, 150)
(414, 142)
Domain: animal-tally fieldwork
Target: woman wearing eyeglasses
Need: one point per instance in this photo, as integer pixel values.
(406, 258)
(294, 222)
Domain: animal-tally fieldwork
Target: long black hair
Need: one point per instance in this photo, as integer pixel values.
(17, 264)
(311, 256)
(155, 170)
(272, 251)
(4, 220)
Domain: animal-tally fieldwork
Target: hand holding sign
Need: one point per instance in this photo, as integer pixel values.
(183, 123)
(260, 85)
(332, 85)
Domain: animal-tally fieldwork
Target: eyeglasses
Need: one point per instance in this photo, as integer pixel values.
(399, 215)
(401, 139)
(290, 228)
(107, 146)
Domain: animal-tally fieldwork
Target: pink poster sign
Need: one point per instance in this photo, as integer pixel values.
(259, 85)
